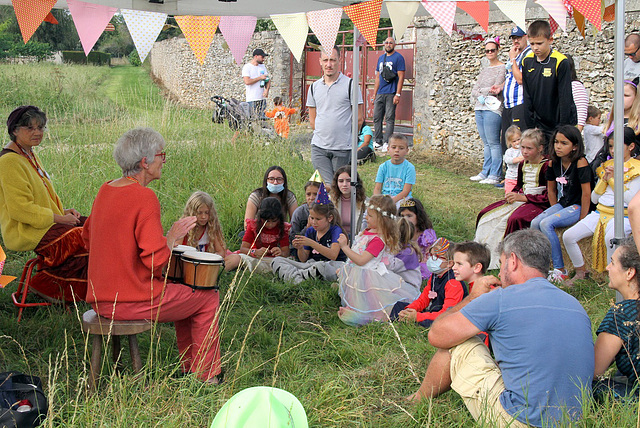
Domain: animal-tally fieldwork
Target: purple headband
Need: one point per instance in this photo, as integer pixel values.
(16, 115)
(631, 83)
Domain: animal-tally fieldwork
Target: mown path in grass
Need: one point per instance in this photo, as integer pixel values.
(272, 333)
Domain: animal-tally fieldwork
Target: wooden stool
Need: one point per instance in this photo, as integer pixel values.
(99, 327)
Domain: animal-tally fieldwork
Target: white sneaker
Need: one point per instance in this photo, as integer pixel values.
(377, 145)
(384, 148)
(491, 181)
(557, 276)
(477, 177)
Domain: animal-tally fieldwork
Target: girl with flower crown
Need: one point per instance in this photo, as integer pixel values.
(368, 289)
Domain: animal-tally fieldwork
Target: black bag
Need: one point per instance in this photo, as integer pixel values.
(15, 387)
(388, 74)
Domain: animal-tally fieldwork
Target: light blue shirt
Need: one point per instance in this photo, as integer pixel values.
(542, 342)
(394, 177)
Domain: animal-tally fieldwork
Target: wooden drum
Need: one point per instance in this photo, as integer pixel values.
(201, 270)
(175, 273)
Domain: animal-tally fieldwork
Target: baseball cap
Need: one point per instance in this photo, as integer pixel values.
(259, 52)
(517, 32)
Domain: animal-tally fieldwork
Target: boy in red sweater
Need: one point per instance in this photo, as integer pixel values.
(441, 292)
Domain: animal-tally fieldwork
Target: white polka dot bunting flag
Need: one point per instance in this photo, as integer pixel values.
(514, 9)
(444, 12)
(144, 28)
(237, 32)
(294, 29)
(325, 25)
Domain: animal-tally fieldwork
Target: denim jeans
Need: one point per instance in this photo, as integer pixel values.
(489, 124)
(549, 220)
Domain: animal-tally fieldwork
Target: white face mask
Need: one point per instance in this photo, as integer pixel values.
(434, 265)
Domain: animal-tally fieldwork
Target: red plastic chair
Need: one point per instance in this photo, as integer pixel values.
(23, 289)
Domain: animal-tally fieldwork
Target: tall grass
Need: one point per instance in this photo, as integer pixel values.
(272, 333)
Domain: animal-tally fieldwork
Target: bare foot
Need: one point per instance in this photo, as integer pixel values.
(414, 398)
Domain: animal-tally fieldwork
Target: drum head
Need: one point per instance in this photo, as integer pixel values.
(182, 248)
(202, 257)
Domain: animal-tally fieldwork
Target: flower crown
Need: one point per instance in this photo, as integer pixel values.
(381, 211)
(406, 203)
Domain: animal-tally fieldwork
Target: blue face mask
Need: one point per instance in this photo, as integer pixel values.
(434, 265)
(275, 188)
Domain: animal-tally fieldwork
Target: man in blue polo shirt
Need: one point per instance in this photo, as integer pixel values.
(329, 102)
(513, 112)
(543, 358)
(388, 89)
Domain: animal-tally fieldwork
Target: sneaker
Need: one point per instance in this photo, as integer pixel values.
(491, 181)
(377, 145)
(557, 276)
(478, 177)
(499, 185)
(384, 148)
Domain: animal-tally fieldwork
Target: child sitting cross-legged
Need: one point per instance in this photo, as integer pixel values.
(300, 217)
(441, 292)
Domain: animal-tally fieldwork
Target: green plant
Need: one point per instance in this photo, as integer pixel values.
(134, 58)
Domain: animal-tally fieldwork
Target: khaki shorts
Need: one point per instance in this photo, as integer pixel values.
(476, 377)
(257, 265)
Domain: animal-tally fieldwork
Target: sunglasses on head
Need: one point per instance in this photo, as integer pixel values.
(632, 54)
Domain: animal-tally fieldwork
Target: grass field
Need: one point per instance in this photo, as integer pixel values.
(273, 333)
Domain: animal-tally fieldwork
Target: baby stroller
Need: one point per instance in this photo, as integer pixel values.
(235, 112)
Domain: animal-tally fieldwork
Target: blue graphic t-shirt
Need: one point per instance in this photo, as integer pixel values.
(394, 177)
(395, 62)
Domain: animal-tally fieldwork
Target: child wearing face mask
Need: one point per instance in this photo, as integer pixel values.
(441, 292)
(300, 217)
(274, 184)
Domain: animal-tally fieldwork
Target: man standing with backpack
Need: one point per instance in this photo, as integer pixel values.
(387, 90)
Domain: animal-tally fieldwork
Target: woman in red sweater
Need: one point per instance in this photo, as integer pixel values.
(125, 235)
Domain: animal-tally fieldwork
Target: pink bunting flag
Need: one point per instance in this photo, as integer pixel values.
(30, 14)
(444, 12)
(237, 32)
(199, 32)
(90, 21)
(557, 11)
(325, 25)
(479, 10)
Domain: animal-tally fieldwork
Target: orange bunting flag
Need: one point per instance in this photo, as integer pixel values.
(51, 19)
(478, 10)
(609, 13)
(590, 9)
(30, 14)
(4, 279)
(580, 24)
(199, 32)
(366, 17)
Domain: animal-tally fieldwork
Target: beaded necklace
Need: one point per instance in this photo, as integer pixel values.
(44, 176)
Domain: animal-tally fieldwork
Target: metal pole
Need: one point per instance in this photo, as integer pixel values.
(354, 129)
(618, 124)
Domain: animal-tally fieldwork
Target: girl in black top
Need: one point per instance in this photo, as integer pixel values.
(569, 190)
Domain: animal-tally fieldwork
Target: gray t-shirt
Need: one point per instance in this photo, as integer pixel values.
(631, 69)
(542, 342)
(333, 113)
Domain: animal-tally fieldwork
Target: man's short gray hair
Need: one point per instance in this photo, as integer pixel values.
(133, 146)
(530, 246)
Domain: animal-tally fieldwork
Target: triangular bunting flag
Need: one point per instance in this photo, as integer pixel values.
(609, 14)
(51, 19)
(478, 10)
(30, 14)
(144, 28)
(580, 24)
(325, 25)
(444, 12)
(556, 11)
(90, 21)
(4, 279)
(366, 17)
(199, 32)
(237, 32)
(401, 14)
(316, 177)
(294, 29)
(553, 24)
(590, 9)
(515, 10)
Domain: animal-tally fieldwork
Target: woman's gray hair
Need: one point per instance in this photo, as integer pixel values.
(530, 246)
(133, 146)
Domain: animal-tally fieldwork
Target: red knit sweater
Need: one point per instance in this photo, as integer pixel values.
(125, 240)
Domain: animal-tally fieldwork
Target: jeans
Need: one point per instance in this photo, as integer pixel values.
(328, 161)
(489, 124)
(257, 109)
(549, 220)
(383, 107)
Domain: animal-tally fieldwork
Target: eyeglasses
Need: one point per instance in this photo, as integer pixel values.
(632, 54)
(163, 156)
(490, 50)
(35, 128)
(278, 180)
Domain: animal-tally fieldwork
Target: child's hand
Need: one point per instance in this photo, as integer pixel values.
(275, 251)
(608, 173)
(343, 241)
(259, 252)
(299, 241)
(512, 197)
(517, 160)
(409, 315)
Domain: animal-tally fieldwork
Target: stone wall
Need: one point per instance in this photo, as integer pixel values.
(176, 68)
(447, 67)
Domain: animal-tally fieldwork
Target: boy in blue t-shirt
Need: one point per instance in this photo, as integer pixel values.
(397, 175)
